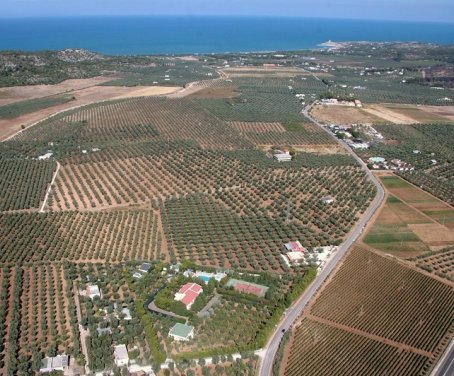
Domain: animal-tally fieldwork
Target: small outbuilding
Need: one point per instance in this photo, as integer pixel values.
(56, 363)
(182, 332)
(92, 291)
(121, 356)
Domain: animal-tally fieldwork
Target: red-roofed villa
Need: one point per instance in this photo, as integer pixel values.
(188, 293)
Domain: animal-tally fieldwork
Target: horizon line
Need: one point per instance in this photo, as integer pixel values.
(224, 16)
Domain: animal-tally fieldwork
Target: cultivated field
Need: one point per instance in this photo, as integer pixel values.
(376, 316)
(406, 225)
(426, 147)
(344, 115)
(39, 308)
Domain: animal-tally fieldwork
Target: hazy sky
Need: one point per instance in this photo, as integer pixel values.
(425, 10)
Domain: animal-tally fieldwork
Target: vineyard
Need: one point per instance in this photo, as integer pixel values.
(319, 349)
(406, 306)
(376, 316)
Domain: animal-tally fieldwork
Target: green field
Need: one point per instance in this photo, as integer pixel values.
(13, 110)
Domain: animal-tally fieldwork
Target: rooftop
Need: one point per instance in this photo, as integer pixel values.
(181, 330)
(121, 352)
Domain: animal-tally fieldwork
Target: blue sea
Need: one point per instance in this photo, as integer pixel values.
(180, 35)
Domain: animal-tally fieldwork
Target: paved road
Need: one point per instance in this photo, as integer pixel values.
(445, 366)
(295, 310)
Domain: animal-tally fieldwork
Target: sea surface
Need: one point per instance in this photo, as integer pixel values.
(180, 35)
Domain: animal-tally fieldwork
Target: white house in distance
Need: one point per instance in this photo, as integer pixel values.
(121, 356)
(327, 199)
(182, 332)
(56, 363)
(92, 291)
(282, 156)
(188, 293)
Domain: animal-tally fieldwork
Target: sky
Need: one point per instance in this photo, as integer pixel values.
(408, 10)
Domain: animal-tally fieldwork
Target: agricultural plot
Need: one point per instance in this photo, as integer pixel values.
(440, 262)
(102, 236)
(410, 221)
(37, 316)
(23, 182)
(247, 226)
(319, 349)
(138, 120)
(268, 99)
(390, 301)
(169, 72)
(286, 134)
(381, 87)
(17, 109)
(420, 145)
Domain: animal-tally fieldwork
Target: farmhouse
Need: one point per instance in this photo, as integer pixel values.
(182, 332)
(56, 363)
(327, 199)
(92, 291)
(126, 314)
(145, 267)
(294, 246)
(121, 356)
(188, 293)
(282, 156)
(103, 331)
(295, 257)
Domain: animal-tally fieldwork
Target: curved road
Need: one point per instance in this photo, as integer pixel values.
(295, 310)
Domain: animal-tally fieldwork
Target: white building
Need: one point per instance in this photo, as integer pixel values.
(327, 200)
(56, 363)
(121, 357)
(182, 332)
(92, 291)
(282, 156)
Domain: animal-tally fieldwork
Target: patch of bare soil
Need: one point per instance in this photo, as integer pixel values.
(433, 234)
(444, 111)
(343, 115)
(82, 97)
(389, 115)
(21, 93)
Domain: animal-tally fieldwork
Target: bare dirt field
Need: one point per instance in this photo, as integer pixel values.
(444, 111)
(20, 93)
(84, 96)
(434, 234)
(423, 114)
(389, 115)
(344, 115)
